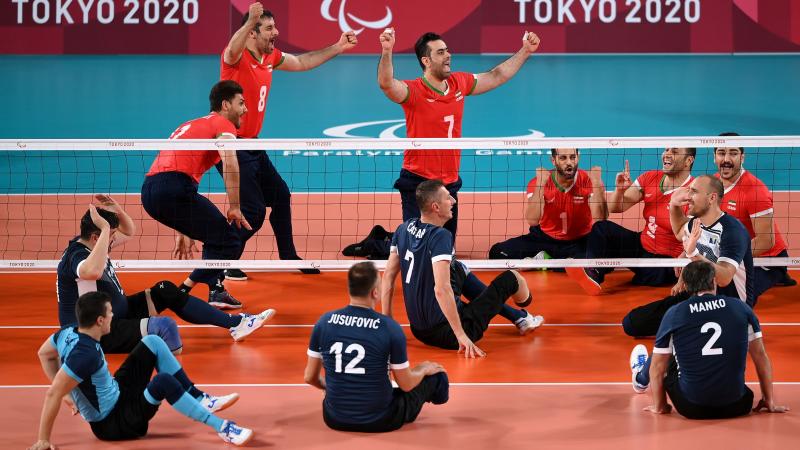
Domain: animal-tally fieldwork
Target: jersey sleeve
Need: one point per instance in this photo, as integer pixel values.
(277, 58)
(223, 127)
(314, 344)
(227, 71)
(76, 260)
(761, 201)
(585, 185)
(442, 246)
(398, 356)
(80, 366)
(411, 95)
(663, 343)
(393, 245)
(753, 327)
(469, 81)
(531, 188)
(733, 243)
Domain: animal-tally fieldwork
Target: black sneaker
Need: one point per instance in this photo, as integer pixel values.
(223, 300)
(787, 281)
(371, 246)
(235, 275)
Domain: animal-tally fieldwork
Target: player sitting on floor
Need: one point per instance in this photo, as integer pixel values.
(85, 266)
(120, 407)
(354, 345)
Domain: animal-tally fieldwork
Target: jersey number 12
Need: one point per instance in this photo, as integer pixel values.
(358, 349)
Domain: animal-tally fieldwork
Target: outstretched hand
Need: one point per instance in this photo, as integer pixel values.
(770, 407)
(470, 350)
(184, 247)
(623, 180)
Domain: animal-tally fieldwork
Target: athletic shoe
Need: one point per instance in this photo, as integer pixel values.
(588, 278)
(234, 434)
(235, 275)
(214, 404)
(250, 323)
(637, 361)
(223, 300)
(786, 280)
(528, 323)
(541, 256)
(373, 246)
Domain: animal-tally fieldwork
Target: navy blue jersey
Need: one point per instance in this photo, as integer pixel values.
(83, 360)
(419, 245)
(709, 336)
(69, 286)
(727, 240)
(357, 347)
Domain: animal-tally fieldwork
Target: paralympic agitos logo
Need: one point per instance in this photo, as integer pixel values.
(388, 129)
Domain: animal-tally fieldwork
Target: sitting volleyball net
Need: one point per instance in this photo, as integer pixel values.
(341, 189)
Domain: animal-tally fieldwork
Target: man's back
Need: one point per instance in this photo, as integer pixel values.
(355, 345)
(419, 245)
(709, 336)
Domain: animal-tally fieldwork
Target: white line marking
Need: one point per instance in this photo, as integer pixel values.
(521, 384)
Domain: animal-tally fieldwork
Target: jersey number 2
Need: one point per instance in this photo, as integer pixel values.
(351, 368)
(708, 349)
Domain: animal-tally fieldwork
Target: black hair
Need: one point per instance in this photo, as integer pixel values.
(698, 276)
(554, 152)
(426, 193)
(224, 90)
(265, 15)
(88, 228)
(421, 47)
(732, 134)
(90, 306)
(361, 278)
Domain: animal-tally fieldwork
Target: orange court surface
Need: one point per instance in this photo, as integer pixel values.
(566, 385)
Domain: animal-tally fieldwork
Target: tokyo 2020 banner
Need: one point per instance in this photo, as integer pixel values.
(469, 26)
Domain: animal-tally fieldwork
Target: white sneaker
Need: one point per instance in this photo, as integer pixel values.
(528, 323)
(249, 324)
(214, 404)
(234, 434)
(637, 361)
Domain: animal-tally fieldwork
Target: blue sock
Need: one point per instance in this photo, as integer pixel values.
(643, 377)
(191, 408)
(198, 311)
(165, 360)
(512, 314)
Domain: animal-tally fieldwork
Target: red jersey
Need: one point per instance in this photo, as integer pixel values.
(193, 163)
(431, 113)
(657, 236)
(749, 198)
(255, 77)
(566, 215)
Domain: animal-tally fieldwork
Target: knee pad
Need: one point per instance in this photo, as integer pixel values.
(166, 295)
(164, 386)
(167, 330)
(442, 392)
(507, 282)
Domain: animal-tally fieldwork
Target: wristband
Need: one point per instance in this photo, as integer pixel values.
(694, 253)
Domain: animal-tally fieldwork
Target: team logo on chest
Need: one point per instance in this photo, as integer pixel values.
(731, 205)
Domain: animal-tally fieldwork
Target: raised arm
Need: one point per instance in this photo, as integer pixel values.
(677, 218)
(233, 52)
(394, 89)
(312, 59)
(127, 228)
(230, 172)
(447, 302)
(625, 194)
(597, 203)
(94, 265)
(764, 369)
(724, 270)
(507, 69)
(387, 284)
(535, 204)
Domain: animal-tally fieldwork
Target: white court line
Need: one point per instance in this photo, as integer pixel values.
(55, 327)
(522, 384)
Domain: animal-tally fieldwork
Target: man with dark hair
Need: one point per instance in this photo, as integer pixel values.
(120, 407)
(249, 59)
(433, 281)
(434, 107)
(561, 206)
(710, 235)
(611, 240)
(709, 335)
(85, 266)
(354, 344)
(748, 199)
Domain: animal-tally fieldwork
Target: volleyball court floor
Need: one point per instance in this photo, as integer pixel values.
(566, 385)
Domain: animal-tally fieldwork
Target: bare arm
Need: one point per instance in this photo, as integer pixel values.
(658, 369)
(507, 69)
(62, 385)
(394, 89)
(313, 373)
(312, 59)
(724, 270)
(387, 284)
(765, 234)
(409, 378)
(127, 227)
(48, 357)
(764, 369)
(677, 218)
(535, 204)
(230, 174)
(597, 203)
(93, 266)
(625, 194)
(443, 291)
(233, 52)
